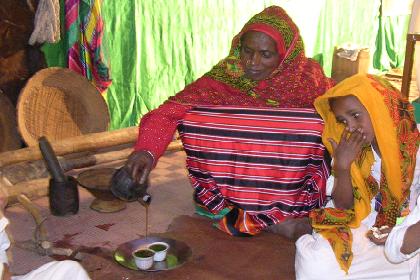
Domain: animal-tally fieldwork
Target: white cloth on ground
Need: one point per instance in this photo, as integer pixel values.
(315, 258)
(396, 238)
(55, 270)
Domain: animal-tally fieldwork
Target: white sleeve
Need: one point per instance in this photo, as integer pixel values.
(329, 189)
(396, 237)
(4, 240)
(415, 185)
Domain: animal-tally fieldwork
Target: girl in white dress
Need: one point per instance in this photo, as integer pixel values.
(372, 136)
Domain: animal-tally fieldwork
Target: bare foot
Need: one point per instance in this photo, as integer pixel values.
(292, 228)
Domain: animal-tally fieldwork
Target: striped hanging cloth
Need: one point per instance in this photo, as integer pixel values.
(84, 28)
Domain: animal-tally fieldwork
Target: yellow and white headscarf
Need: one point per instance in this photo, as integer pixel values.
(398, 139)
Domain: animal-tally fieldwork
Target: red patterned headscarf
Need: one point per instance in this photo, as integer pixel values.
(296, 82)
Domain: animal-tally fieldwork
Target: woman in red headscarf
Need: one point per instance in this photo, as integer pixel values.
(266, 67)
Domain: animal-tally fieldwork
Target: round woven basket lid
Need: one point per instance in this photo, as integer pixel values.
(9, 139)
(59, 103)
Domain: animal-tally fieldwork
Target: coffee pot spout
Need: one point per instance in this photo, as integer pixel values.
(145, 200)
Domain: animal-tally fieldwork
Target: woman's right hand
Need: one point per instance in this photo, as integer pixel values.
(140, 164)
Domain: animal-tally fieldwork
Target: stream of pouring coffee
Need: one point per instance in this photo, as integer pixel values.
(147, 219)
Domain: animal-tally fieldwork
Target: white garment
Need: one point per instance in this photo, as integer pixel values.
(55, 270)
(315, 258)
(415, 185)
(396, 238)
(4, 244)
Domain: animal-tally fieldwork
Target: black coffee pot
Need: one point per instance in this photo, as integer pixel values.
(124, 187)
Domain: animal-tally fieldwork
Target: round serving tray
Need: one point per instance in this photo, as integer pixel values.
(178, 253)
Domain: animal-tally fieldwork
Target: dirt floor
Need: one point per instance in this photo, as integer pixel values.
(215, 255)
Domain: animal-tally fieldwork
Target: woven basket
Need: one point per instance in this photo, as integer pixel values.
(59, 103)
(9, 137)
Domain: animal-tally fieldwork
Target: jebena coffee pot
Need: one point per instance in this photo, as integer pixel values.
(125, 188)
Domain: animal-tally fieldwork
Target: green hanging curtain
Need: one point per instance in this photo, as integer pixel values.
(390, 42)
(345, 21)
(157, 47)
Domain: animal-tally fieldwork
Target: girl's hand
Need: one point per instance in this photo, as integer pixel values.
(346, 151)
(379, 236)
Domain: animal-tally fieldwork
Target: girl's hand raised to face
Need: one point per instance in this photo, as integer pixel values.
(346, 151)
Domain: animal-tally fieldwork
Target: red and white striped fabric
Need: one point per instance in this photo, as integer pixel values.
(262, 164)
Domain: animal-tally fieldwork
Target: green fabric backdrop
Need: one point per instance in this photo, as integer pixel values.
(156, 47)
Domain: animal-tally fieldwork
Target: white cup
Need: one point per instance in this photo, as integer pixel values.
(160, 249)
(144, 258)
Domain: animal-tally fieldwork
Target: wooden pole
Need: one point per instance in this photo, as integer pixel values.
(87, 142)
(35, 188)
(26, 171)
(32, 189)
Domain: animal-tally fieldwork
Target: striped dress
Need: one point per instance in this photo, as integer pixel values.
(252, 168)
